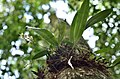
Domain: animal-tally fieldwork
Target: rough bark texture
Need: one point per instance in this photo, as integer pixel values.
(82, 65)
(78, 73)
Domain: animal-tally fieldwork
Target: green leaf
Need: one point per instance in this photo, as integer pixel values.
(47, 35)
(98, 17)
(103, 50)
(107, 49)
(116, 62)
(40, 54)
(28, 57)
(79, 22)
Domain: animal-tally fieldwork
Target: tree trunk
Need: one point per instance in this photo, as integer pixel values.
(78, 73)
(75, 63)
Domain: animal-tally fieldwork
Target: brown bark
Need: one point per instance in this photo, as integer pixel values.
(78, 73)
(82, 65)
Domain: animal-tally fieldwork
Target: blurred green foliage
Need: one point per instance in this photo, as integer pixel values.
(16, 15)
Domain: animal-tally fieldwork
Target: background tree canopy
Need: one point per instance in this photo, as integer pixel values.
(18, 46)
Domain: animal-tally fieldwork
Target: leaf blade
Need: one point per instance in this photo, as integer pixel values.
(79, 22)
(116, 62)
(98, 17)
(40, 54)
(48, 36)
(103, 50)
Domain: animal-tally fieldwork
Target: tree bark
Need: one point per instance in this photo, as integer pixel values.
(80, 66)
(78, 73)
